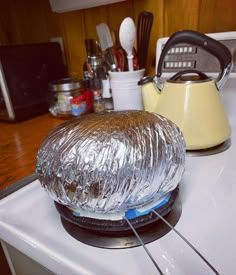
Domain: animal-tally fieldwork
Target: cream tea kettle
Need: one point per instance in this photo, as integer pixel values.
(190, 98)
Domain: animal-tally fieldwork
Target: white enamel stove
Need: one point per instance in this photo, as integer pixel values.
(31, 229)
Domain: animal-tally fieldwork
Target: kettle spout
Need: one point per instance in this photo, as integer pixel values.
(150, 93)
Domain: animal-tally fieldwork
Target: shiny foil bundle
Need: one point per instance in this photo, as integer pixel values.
(111, 162)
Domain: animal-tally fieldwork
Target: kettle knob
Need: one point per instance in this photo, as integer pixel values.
(220, 51)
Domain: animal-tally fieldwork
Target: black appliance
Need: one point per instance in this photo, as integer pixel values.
(25, 71)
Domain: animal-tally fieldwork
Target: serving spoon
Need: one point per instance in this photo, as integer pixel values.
(127, 34)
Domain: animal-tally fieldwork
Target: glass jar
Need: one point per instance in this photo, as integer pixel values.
(98, 102)
(67, 101)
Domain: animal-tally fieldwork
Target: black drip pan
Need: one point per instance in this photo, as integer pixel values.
(116, 226)
(117, 234)
(148, 234)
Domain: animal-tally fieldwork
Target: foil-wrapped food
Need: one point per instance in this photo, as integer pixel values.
(111, 162)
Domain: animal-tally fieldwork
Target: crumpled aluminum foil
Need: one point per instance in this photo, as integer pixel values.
(111, 162)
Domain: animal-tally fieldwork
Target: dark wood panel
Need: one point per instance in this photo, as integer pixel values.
(73, 37)
(24, 22)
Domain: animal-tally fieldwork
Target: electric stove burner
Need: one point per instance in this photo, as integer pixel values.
(118, 234)
(210, 151)
(148, 233)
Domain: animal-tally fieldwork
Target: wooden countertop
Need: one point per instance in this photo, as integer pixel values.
(19, 144)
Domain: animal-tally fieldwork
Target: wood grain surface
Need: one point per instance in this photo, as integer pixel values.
(19, 144)
(28, 21)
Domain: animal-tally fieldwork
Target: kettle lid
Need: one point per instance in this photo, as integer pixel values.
(145, 80)
(189, 76)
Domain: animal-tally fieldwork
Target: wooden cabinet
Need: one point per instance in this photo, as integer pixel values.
(217, 16)
(28, 21)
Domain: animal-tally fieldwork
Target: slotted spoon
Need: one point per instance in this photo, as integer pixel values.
(144, 27)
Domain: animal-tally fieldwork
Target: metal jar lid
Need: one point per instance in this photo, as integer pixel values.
(65, 84)
(96, 61)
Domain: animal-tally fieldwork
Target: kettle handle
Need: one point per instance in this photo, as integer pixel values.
(211, 45)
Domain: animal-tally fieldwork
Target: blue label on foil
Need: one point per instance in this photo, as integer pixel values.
(134, 213)
(77, 214)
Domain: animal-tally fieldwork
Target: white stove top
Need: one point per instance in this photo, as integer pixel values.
(30, 223)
